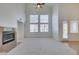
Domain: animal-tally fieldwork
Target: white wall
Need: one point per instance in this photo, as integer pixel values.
(20, 28)
(55, 24)
(9, 13)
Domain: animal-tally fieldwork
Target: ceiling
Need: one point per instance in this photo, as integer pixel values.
(46, 4)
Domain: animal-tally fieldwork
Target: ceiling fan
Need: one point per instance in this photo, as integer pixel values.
(40, 5)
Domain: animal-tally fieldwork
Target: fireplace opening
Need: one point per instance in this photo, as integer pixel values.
(8, 36)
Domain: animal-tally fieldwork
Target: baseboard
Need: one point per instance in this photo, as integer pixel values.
(69, 40)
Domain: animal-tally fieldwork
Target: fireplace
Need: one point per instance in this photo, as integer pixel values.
(8, 36)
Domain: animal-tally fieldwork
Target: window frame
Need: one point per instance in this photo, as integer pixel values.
(34, 24)
(71, 31)
(65, 33)
(39, 23)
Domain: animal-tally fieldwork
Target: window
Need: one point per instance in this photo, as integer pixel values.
(43, 27)
(43, 18)
(33, 23)
(65, 29)
(43, 23)
(33, 18)
(74, 26)
(38, 23)
(33, 27)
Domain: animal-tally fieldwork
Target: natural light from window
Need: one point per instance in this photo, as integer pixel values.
(65, 29)
(39, 23)
(73, 26)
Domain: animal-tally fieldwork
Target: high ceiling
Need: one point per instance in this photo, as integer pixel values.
(46, 4)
